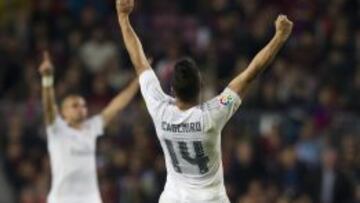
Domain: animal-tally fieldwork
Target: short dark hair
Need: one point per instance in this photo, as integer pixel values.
(66, 97)
(186, 80)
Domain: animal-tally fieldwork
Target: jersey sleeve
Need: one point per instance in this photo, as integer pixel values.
(96, 125)
(222, 108)
(54, 129)
(152, 92)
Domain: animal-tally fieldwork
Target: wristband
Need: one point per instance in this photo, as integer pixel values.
(47, 81)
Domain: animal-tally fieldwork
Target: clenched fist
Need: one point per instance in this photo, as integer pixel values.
(283, 27)
(46, 67)
(124, 6)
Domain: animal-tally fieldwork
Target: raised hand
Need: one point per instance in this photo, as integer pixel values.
(46, 67)
(241, 83)
(283, 27)
(124, 7)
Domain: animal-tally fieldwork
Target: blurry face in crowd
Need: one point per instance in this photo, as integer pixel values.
(244, 152)
(98, 35)
(74, 109)
(357, 192)
(288, 158)
(329, 158)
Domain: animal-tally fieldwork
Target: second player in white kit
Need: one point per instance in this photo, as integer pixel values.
(72, 158)
(188, 129)
(72, 138)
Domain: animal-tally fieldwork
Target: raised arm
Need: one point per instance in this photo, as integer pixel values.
(283, 30)
(120, 102)
(131, 40)
(46, 70)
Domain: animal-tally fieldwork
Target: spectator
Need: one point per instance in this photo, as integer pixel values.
(329, 184)
(97, 52)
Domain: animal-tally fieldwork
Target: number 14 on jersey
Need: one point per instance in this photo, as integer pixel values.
(200, 159)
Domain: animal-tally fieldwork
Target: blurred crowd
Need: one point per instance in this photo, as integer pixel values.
(295, 138)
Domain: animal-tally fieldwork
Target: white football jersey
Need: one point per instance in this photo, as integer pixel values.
(191, 142)
(73, 162)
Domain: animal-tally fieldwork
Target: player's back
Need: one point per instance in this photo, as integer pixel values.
(191, 142)
(192, 153)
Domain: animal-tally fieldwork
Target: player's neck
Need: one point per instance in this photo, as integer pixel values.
(185, 105)
(75, 125)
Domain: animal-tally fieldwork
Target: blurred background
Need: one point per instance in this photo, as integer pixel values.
(295, 139)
